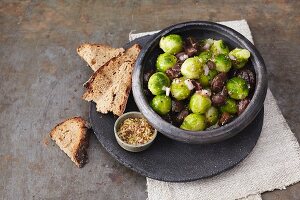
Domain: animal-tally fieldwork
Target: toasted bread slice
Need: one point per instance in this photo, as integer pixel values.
(110, 85)
(97, 55)
(72, 137)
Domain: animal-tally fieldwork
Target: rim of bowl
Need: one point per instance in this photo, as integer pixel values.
(237, 124)
(120, 120)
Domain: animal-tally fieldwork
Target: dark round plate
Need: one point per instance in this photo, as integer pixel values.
(169, 160)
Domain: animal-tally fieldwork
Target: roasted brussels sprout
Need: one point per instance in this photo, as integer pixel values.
(192, 68)
(223, 63)
(171, 44)
(157, 82)
(239, 57)
(199, 103)
(205, 80)
(229, 107)
(161, 104)
(212, 115)
(165, 61)
(237, 88)
(179, 89)
(204, 56)
(218, 47)
(194, 122)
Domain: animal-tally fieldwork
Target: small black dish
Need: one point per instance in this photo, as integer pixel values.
(199, 30)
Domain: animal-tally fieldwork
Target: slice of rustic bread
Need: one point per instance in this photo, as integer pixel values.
(72, 137)
(97, 55)
(110, 85)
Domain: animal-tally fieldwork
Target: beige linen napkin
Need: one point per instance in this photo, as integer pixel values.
(273, 164)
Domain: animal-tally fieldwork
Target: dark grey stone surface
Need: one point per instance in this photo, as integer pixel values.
(41, 81)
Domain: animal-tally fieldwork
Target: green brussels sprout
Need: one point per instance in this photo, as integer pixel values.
(171, 44)
(194, 122)
(192, 68)
(237, 88)
(229, 107)
(161, 104)
(157, 82)
(199, 103)
(165, 61)
(204, 56)
(179, 89)
(218, 47)
(206, 80)
(223, 63)
(239, 57)
(212, 115)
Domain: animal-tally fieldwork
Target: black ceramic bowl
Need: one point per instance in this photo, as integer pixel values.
(199, 30)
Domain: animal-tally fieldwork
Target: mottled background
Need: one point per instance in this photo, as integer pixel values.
(41, 80)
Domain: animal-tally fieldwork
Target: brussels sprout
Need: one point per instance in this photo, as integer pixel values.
(239, 57)
(223, 63)
(218, 47)
(171, 44)
(212, 115)
(229, 107)
(157, 82)
(206, 80)
(192, 68)
(194, 122)
(237, 88)
(204, 56)
(161, 104)
(179, 89)
(199, 103)
(165, 61)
